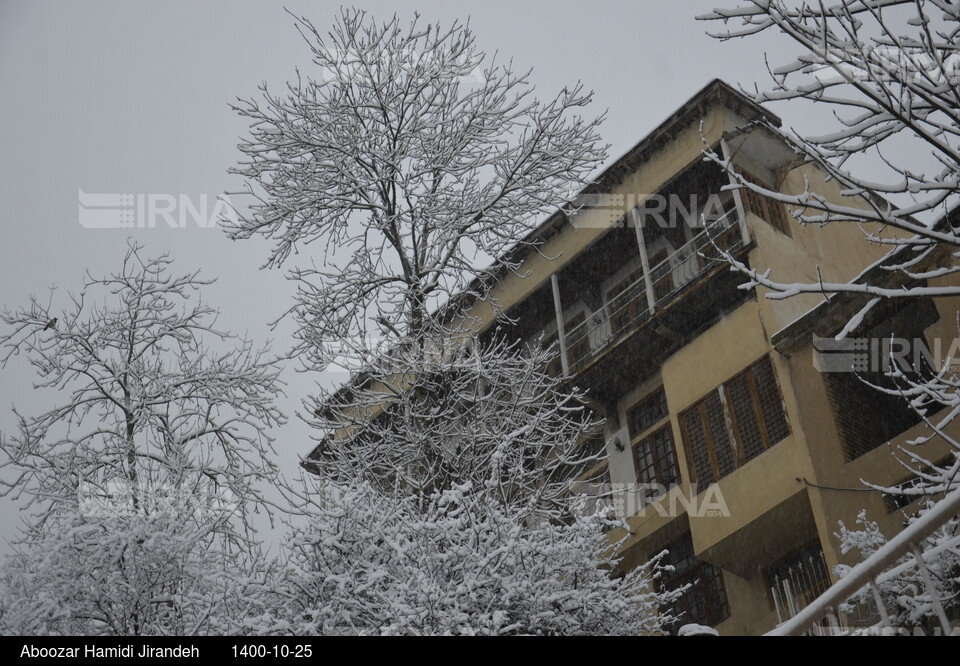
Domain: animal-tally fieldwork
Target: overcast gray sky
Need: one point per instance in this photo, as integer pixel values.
(132, 97)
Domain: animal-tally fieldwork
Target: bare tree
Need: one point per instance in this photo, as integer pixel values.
(453, 510)
(889, 71)
(368, 563)
(490, 417)
(905, 592)
(410, 159)
(138, 488)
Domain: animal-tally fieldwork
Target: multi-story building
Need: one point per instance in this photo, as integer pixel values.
(728, 443)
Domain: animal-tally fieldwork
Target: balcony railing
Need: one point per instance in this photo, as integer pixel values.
(796, 585)
(882, 566)
(629, 307)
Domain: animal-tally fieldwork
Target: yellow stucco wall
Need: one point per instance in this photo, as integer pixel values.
(832, 253)
(788, 474)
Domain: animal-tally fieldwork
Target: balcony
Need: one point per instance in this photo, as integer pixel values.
(629, 307)
(649, 284)
(908, 551)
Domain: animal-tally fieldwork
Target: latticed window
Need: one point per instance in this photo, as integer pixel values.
(756, 409)
(648, 412)
(708, 443)
(705, 601)
(656, 460)
(771, 211)
(866, 417)
(735, 423)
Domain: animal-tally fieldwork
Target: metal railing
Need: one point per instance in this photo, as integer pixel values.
(880, 567)
(797, 584)
(630, 306)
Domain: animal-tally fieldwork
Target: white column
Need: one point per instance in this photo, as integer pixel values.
(561, 334)
(647, 279)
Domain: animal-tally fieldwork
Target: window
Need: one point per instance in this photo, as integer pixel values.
(599, 475)
(655, 459)
(663, 285)
(865, 416)
(578, 340)
(757, 410)
(772, 212)
(735, 423)
(596, 493)
(705, 601)
(648, 412)
(725, 235)
(592, 458)
(896, 501)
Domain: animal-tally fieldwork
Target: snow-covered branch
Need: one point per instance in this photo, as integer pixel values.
(409, 159)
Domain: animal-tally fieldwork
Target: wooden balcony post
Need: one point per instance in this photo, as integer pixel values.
(561, 335)
(645, 264)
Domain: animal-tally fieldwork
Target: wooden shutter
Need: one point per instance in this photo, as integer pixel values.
(771, 211)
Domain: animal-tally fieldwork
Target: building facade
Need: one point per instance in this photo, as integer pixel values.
(730, 442)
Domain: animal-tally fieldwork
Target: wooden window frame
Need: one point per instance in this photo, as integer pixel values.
(657, 396)
(734, 433)
(815, 589)
(629, 310)
(668, 478)
(700, 575)
(771, 211)
(575, 354)
(665, 285)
